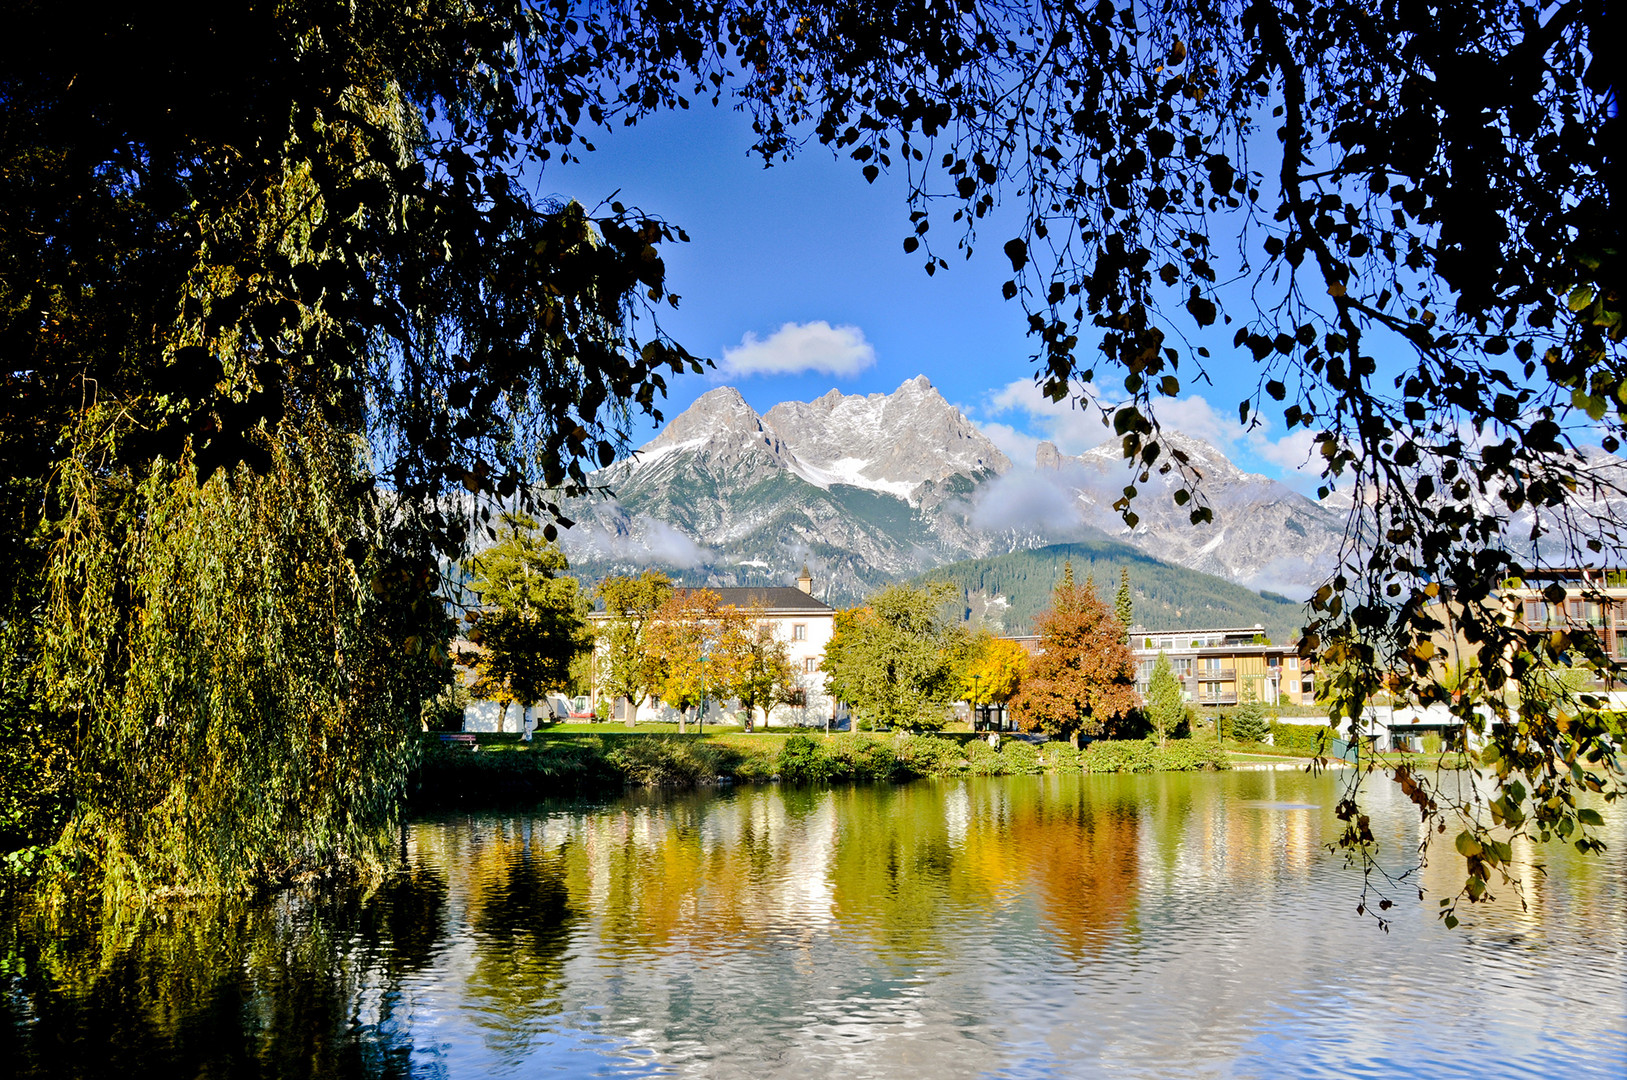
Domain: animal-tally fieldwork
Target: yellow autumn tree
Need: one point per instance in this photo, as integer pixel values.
(993, 671)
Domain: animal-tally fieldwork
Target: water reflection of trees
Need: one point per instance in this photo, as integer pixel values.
(522, 926)
(710, 872)
(1083, 854)
(299, 986)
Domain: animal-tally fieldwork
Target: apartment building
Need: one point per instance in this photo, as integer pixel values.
(1220, 666)
(1595, 602)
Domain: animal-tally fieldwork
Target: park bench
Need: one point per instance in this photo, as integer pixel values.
(463, 737)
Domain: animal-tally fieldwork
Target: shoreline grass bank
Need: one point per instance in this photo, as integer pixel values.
(568, 762)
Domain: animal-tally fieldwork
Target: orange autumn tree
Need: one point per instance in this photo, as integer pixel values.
(1082, 682)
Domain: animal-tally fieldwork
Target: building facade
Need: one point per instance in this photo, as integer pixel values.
(1595, 602)
(796, 617)
(1223, 665)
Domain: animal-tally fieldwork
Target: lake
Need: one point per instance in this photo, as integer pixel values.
(1173, 925)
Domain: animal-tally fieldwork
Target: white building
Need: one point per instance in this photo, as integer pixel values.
(799, 619)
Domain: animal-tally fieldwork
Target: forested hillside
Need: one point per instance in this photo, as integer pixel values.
(1014, 588)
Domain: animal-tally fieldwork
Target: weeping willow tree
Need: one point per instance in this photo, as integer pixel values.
(238, 686)
(279, 316)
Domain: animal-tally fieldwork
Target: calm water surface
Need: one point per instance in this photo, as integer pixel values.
(1163, 926)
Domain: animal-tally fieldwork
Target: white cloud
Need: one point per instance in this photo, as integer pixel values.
(1016, 445)
(646, 542)
(1196, 417)
(798, 347)
(1074, 428)
(1293, 457)
(1294, 452)
(1025, 499)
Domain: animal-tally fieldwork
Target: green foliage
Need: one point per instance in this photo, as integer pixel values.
(661, 761)
(1021, 758)
(631, 668)
(452, 772)
(1141, 755)
(36, 767)
(759, 667)
(504, 768)
(803, 761)
(247, 694)
(444, 712)
(927, 755)
(1166, 704)
(1302, 737)
(1062, 757)
(1248, 720)
(227, 322)
(896, 662)
(1165, 594)
(531, 624)
(854, 757)
(1123, 602)
(984, 760)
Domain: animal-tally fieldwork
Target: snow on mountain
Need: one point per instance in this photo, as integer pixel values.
(867, 488)
(884, 442)
(1264, 534)
(857, 486)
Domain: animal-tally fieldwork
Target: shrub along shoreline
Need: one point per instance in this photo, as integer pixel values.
(556, 764)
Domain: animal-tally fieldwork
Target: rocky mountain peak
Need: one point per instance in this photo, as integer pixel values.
(1211, 463)
(1047, 456)
(717, 412)
(886, 442)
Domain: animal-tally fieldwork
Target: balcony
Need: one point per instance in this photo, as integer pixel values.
(1214, 699)
(1211, 675)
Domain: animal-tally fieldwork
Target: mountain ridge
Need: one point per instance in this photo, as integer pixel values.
(868, 489)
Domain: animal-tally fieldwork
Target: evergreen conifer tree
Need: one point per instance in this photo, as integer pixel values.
(1249, 722)
(1123, 605)
(1166, 705)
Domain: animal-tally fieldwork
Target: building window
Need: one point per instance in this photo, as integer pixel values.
(810, 664)
(799, 632)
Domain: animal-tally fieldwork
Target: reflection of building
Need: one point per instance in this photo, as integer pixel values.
(796, 617)
(1221, 666)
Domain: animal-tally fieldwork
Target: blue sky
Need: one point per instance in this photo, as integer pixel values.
(809, 248)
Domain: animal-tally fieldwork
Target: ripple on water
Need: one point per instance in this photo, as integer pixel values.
(1023, 927)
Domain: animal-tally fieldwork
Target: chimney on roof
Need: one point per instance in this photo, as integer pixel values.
(805, 580)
